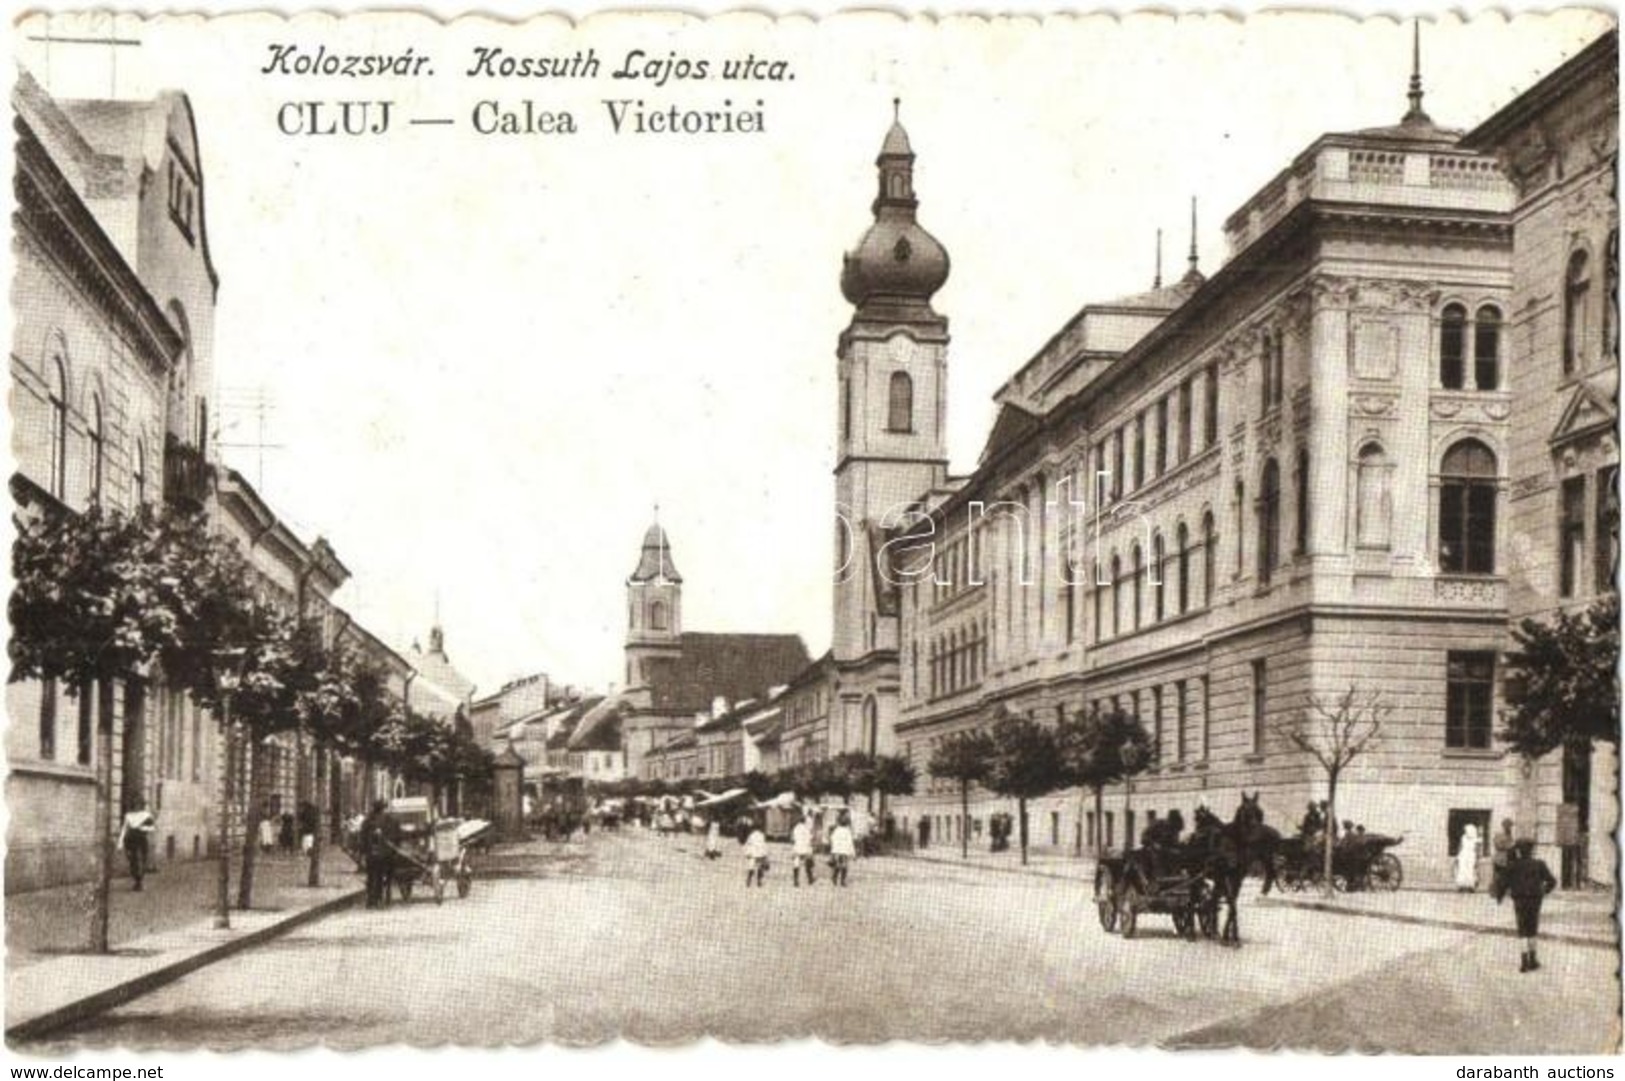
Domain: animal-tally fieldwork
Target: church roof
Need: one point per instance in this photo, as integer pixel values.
(435, 667)
(896, 140)
(654, 561)
(731, 666)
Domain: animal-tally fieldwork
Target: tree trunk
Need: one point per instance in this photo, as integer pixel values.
(964, 818)
(251, 830)
(1021, 811)
(320, 802)
(1331, 830)
(103, 888)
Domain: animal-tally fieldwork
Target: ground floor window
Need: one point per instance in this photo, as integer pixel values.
(1459, 819)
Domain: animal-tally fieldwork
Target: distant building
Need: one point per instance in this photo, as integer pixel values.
(1559, 144)
(673, 675)
(437, 689)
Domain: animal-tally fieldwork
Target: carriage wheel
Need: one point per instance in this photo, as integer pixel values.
(437, 883)
(1128, 916)
(1386, 872)
(1105, 900)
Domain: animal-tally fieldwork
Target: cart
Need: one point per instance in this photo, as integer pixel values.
(1172, 882)
(430, 851)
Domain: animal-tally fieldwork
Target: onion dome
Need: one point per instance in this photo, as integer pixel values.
(654, 563)
(896, 264)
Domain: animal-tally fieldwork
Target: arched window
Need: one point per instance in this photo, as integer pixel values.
(1278, 383)
(1269, 521)
(900, 403)
(98, 448)
(1453, 347)
(1241, 525)
(657, 616)
(1182, 540)
(1300, 544)
(1487, 348)
(1117, 595)
(1210, 558)
(1467, 493)
(1576, 290)
(1159, 558)
(1098, 591)
(1137, 569)
(871, 724)
(1373, 502)
(59, 430)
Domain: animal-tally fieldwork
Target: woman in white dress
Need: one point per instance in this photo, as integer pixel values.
(1467, 859)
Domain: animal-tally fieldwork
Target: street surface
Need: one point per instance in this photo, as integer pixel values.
(638, 935)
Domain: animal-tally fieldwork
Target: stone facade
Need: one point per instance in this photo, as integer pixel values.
(1289, 483)
(1559, 143)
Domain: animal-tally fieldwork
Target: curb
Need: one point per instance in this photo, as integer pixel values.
(101, 1001)
(1432, 921)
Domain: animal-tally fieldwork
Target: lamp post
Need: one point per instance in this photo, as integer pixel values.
(228, 674)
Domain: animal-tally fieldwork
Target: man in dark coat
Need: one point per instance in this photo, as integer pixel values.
(378, 832)
(1501, 845)
(1528, 881)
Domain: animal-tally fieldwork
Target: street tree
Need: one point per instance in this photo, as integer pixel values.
(1563, 681)
(966, 757)
(1102, 748)
(1024, 764)
(1335, 733)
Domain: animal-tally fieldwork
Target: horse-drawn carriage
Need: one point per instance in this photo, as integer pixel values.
(1359, 862)
(426, 850)
(1167, 880)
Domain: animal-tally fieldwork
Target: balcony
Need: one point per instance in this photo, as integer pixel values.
(186, 475)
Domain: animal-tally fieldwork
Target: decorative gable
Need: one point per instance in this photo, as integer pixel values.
(1590, 411)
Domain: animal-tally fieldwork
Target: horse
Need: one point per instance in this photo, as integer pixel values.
(1233, 848)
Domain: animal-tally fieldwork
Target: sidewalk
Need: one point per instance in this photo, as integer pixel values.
(157, 935)
(1584, 917)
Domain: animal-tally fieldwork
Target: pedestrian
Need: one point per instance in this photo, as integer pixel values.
(801, 852)
(309, 818)
(755, 857)
(132, 837)
(1467, 859)
(378, 834)
(1528, 881)
(842, 850)
(285, 834)
(1501, 844)
(267, 833)
(713, 840)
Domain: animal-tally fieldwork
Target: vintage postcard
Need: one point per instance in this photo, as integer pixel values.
(1092, 528)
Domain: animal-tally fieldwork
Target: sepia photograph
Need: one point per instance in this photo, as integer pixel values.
(879, 528)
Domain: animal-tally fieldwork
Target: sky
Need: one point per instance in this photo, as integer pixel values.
(487, 358)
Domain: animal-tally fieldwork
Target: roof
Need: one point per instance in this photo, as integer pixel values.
(435, 667)
(599, 727)
(732, 666)
(654, 561)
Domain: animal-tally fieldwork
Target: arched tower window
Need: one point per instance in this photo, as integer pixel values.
(1269, 521)
(1373, 503)
(1576, 291)
(900, 403)
(1453, 347)
(1487, 348)
(59, 429)
(1467, 493)
(657, 616)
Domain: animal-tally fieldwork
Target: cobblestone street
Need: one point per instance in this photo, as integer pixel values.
(639, 935)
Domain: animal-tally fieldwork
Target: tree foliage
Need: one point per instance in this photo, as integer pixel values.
(1564, 684)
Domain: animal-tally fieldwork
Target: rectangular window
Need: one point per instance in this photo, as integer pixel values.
(85, 695)
(47, 718)
(1181, 717)
(1162, 436)
(1571, 543)
(1260, 705)
(1469, 701)
(1139, 451)
(1210, 417)
(1185, 407)
(1605, 539)
(1117, 463)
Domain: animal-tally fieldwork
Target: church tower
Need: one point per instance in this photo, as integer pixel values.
(654, 607)
(890, 413)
